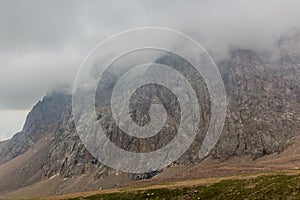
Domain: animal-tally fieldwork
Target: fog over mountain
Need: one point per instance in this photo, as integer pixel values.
(42, 43)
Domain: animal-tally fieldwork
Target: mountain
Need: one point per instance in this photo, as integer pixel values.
(263, 119)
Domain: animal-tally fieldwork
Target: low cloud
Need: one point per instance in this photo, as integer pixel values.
(44, 42)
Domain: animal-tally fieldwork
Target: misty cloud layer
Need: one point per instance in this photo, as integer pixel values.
(42, 43)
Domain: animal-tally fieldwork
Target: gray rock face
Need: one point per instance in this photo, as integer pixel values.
(263, 116)
(42, 121)
(263, 105)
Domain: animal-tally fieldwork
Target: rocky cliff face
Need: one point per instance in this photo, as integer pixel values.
(41, 122)
(263, 106)
(263, 116)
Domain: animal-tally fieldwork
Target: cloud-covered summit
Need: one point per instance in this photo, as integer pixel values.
(42, 43)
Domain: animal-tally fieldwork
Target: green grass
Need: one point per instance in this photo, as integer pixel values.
(264, 187)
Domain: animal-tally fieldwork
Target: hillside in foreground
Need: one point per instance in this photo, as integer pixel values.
(276, 185)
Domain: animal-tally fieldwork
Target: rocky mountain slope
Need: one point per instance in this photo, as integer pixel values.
(263, 117)
(41, 122)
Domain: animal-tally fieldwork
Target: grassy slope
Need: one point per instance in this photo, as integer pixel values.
(272, 186)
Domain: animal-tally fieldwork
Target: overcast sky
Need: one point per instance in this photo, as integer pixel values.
(42, 43)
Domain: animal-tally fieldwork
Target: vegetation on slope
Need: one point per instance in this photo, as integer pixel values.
(276, 186)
